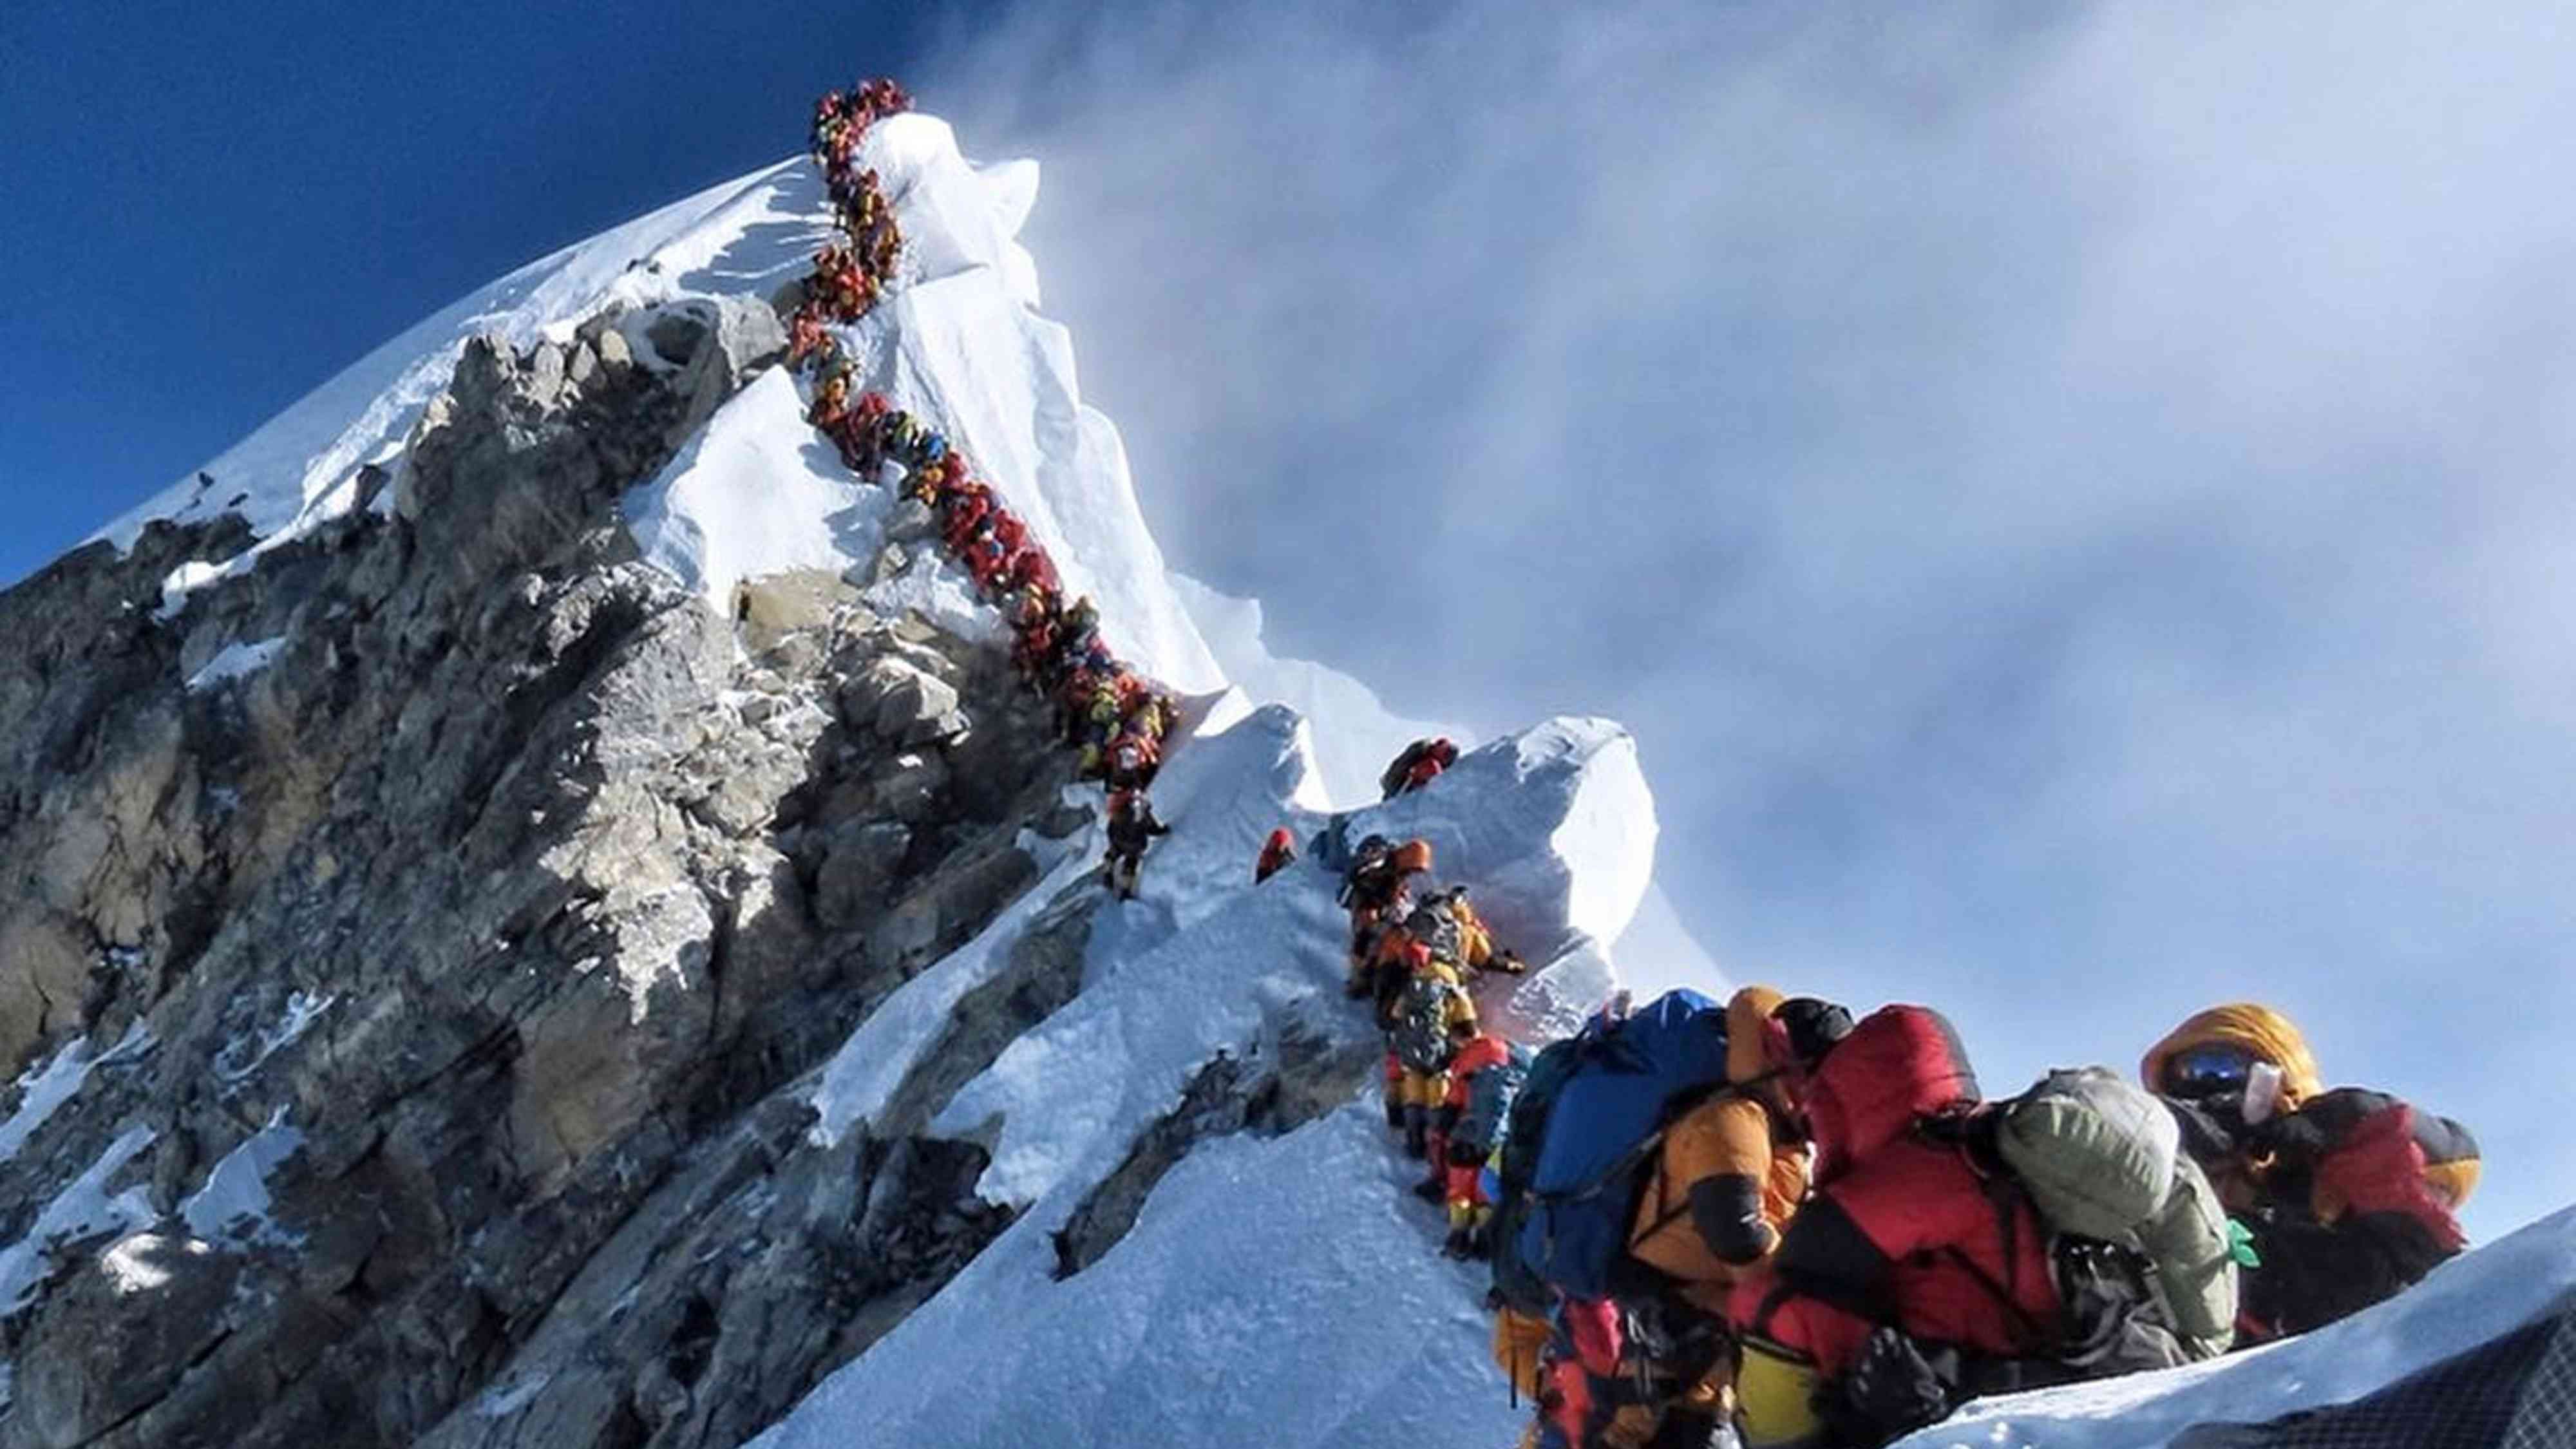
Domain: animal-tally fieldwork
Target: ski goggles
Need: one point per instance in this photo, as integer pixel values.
(2208, 1070)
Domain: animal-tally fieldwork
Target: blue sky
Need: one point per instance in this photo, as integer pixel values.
(2073, 500)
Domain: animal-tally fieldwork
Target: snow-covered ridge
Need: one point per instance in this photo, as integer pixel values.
(746, 236)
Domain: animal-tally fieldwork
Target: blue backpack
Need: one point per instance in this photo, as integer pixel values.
(1627, 1077)
(1489, 1103)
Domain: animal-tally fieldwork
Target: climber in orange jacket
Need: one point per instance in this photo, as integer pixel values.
(2350, 1196)
(1379, 889)
(1732, 1169)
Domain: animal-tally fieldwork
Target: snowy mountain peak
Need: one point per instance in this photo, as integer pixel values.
(557, 847)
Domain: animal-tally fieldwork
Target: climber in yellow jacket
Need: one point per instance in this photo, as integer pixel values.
(1434, 1002)
(1733, 1168)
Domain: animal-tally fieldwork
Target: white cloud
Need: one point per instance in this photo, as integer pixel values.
(2074, 503)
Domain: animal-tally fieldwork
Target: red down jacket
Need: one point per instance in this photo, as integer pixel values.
(1901, 1230)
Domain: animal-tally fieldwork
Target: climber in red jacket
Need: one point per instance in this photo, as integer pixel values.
(1277, 854)
(1902, 1244)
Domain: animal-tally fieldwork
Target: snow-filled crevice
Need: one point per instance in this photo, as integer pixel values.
(1304, 1074)
(1041, 970)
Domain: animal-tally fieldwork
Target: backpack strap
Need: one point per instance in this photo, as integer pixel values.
(1683, 1106)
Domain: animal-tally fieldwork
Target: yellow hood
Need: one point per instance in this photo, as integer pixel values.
(1748, 1015)
(2257, 1028)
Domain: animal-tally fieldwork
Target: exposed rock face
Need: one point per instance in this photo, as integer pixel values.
(476, 897)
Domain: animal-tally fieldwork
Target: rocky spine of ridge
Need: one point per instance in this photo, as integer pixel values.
(492, 892)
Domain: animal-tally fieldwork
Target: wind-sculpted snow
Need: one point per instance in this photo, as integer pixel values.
(2468, 1301)
(1279, 1291)
(755, 493)
(1355, 734)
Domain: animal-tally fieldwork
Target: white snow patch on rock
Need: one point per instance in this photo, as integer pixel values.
(234, 1202)
(243, 1055)
(46, 1087)
(43, 1088)
(84, 1208)
(236, 661)
(511, 1395)
(865, 1072)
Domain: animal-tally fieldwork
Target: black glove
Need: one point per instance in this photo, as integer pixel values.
(1893, 1389)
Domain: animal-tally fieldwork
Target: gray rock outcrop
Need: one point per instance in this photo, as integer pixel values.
(483, 901)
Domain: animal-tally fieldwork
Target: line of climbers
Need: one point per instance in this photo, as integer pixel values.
(1118, 719)
(849, 278)
(1766, 1224)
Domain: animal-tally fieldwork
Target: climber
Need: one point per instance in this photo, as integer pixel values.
(988, 561)
(1077, 634)
(1033, 636)
(1379, 888)
(806, 337)
(1433, 1001)
(1033, 575)
(965, 509)
(1476, 946)
(1718, 1189)
(1731, 1170)
(1420, 763)
(1100, 723)
(1899, 1243)
(1484, 1074)
(831, 402)
(1277, 854)
(1132, 827)
(2348, 1196)
(1150, 711)
(1361, 885)
(1608, 1379)
(1134, 760)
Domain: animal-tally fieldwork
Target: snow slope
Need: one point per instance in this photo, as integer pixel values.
(1256, 1290)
